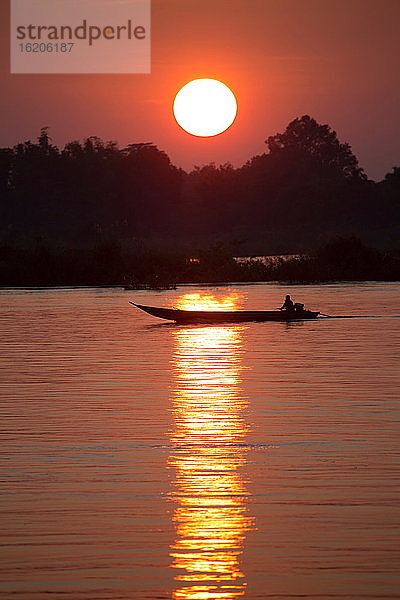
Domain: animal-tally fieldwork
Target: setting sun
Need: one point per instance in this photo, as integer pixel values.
(205, 107)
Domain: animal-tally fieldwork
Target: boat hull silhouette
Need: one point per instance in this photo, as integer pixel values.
(235, 316)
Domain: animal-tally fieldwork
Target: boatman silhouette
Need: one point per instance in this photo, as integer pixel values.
(288, 304)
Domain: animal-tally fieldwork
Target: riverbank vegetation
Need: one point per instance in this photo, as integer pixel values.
(94, 214)
(107, 263)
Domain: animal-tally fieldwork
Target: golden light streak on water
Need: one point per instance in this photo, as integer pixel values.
(204, 301)
(210, 516)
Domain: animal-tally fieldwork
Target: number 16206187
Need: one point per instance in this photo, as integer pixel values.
(47, 47)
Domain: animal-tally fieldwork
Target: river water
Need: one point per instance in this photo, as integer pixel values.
(146, 460)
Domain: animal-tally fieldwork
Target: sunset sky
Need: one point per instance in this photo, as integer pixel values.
(334, 60)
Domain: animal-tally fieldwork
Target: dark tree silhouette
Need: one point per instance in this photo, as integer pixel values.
(210, 197)
(306, 136)
(393, 178)
(92, 204)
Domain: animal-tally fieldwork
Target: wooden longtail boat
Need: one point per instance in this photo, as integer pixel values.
(221, 316)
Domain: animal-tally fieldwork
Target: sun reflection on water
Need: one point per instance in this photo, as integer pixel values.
(208, 438)
(199, 301)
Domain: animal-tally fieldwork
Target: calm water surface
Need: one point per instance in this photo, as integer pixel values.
(146, 460)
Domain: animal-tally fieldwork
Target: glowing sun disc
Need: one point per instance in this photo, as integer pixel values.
(205, 107)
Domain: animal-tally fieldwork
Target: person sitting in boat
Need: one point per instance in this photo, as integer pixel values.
(288, 304)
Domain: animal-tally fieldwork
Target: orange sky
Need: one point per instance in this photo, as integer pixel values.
(335, 60)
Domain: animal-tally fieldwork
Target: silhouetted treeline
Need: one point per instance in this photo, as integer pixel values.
(108, 263)
(98, 202)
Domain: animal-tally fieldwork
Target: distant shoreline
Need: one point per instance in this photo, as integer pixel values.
(107, 264)
(205, 285)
